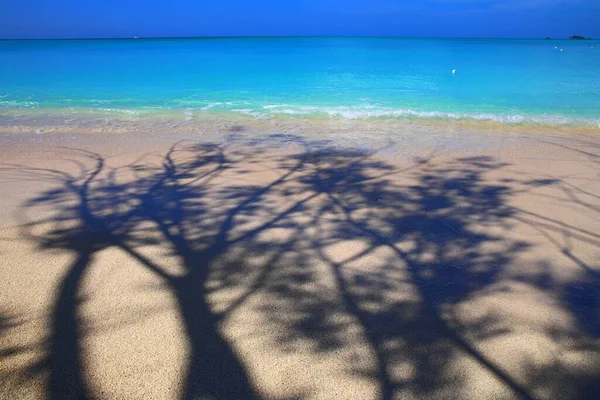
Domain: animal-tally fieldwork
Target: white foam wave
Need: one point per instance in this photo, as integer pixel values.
(121, 111)
(364, 111)
(250, 112)
(372, 111)
(18, 104)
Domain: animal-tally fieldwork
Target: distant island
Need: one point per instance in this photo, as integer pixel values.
(577, 37)
(574, 37)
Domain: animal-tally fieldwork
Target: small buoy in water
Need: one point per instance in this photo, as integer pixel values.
(556, 47)
(453, 71)
(561, 49)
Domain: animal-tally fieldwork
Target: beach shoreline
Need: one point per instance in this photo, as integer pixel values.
(191, 120)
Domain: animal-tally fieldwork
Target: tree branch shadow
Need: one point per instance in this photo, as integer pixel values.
(432, 221)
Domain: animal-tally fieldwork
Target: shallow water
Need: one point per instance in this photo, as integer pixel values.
(507, 82)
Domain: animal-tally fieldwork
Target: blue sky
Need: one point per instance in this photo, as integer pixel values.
(446, 18)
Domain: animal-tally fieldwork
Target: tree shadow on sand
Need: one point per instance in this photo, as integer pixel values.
(346, 243)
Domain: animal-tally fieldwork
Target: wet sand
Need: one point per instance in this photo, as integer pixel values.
(224, 266)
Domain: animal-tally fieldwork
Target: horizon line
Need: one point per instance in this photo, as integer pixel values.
(286, 36)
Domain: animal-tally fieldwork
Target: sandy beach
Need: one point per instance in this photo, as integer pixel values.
(171, 266)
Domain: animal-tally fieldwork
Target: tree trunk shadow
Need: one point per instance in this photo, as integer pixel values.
(214, 371)
(64, 359)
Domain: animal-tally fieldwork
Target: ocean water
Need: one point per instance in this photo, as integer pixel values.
(509, 82)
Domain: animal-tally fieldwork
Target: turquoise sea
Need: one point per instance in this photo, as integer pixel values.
(547, 82)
